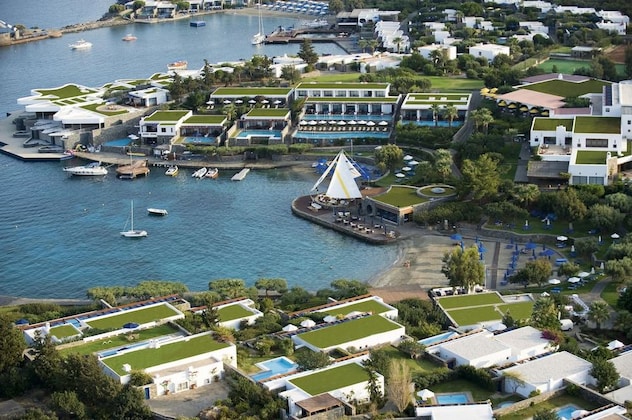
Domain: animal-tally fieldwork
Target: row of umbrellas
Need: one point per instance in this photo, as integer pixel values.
(334, 122)
(252, 101)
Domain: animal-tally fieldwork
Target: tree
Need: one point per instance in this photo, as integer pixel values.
(451, 113)
(399, 384)
(443, 163)
(463, 268)
(12, 344)
(537, 271)
(276, 284)
(436, 109)
(228, 288)
(619, 270)
(481, 177)
(482, 117)
(605, 217)
(605, 373)
(412, 347)
(568, 269)
(545, 415)
(343, 288)
(129, 404)
(598, 313)
(336, 6)
(308, 55)
(544, 314)
(310, 360)
(570, 207)
(625, 300)
(526, 193)
(398, 42)
(67, 405)
(291, 74)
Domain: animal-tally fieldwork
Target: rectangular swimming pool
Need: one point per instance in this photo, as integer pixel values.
(453, 398)
(567, 411)
(274, 367)
(118, 143)
(437, 338)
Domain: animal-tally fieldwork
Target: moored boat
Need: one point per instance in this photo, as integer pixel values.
(172, 171)
(50, 149)
(129, 37)
(157, 212)
(80, 45)
(200, 173)
(91, 169)
(212, 173)
(178, 65)
(133, 233)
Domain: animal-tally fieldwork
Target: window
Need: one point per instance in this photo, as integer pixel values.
(596, 142)
(163, 130)
(182, 386)
(341, 93)
(595, 180)
(328, 94)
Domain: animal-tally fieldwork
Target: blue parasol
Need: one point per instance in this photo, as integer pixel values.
(456, 237)
(530, 246)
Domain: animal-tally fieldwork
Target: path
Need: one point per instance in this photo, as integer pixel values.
(523, 161)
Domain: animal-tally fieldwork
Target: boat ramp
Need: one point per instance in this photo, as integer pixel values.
(240, 175)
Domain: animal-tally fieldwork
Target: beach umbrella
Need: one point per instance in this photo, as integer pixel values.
(534, 111)
(578, 413)
(265, 101)
(289, 328)
(548, 252)
(615, 236)
(562, 238)
(133, 136)
(574, 280)
(583, 274)
(456, 237)
(400, 175)
(312, 122)
(252, 101)
(342, 123)
(408, 157)
(616, 344)
(277, 102)
(413, 163)
(303, 122)
(332, 122)
(370, 123)
(545, 113)
(554, 281)
(530, 246)
(352, 122)
(512, 106)
(308, 323)
(239, 101)
(226, 101)
(322, 122)
(382, 123)
(481, 248)
(524, 108)
(407, 168)
(502, 103)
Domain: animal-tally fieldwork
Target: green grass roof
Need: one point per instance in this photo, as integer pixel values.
(167, 116)
(149, 357)
(385, 100)
(268, 112)
(139, 316)
(63, 331)
(205, 119)
(332, 379)
(550, 124)
(230, 312)
(400, 197)
(368, 306)
(567, 89)
(348, 331)
(469, 316)
(341, 86)
(518, 310)
(463, 301)
(250, 91)
(591, 157)
(67, 91)
(605, 125)
(437, 98)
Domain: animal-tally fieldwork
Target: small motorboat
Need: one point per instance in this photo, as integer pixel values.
(212, 173)
(157, 212)
(129, 37)
(178, 65)
(200, 173)
(172, 171)
(80, 45)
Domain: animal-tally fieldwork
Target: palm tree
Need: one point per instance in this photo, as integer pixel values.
(363, 44)
(451, 113)
(526, 193)
(482, 117)
(436, 109)
(598, 313)
(373, 44)
(398, 41)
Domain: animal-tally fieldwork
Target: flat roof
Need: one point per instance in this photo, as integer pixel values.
(472, 347)
(235, 311)
(371, 305)
(567, 89)
(386, 99)
(533, 98)
(623, 363)
(546, 169)
(170, 352)
(603, 125)
(340, 85)
(205, 119)
(550, 124)
(138, 316)
(522, 338)
(437, 98)
(331, 379)
(349, 331)
(554, 366)
(268, 112)
(168, 116)
(251, 91)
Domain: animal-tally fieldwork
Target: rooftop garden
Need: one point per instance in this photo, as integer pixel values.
(149, 357)
(568, 89)
(336, 99)
(102, 109)
(230, 312)
(167, 116)
(606, 125)
(400, 196)
(368, 306)
(348, 331)
(464, 301)
(67, 91)
(205, 119)
(469, 316)
(332, 379)
(341, 85)
(550, 124)
(250, 91)
(268, 112)
(138, 316)
(591, 157)
(64, 331)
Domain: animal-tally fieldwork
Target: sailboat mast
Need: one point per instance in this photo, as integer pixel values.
(132, 218)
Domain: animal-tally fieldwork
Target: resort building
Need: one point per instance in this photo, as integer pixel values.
(488, 51)
(392, 37)
(429, 109)
(364, 304)
(234, 313)
(265, 97)
(176, 364)
(469, 411)
(546, 374)
(448, 51)
(357, 18)
(261, 126)
(162, 126)
(484, 349)
(623, 364)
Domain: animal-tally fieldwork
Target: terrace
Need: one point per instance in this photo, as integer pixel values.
(369, 306)
(605, 125)
(166, 116)
(232, 312)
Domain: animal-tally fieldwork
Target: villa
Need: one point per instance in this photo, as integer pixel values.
(488, 51)
(352, 307)
(623, 364)
(421, 108)
(235, 312)
(449, 51)
(258, 126)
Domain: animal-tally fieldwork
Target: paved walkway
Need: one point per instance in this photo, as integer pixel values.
(523, 162)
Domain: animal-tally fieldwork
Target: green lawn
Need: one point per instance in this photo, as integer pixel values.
(590, 157)
(454, 83)
(139, 316)
(608, 125)
(332, 379)
(550, 124)
(552, 404)
(518, 310)
(146, 358)
(463, 301)
(368, 306)
(119, 340)
(67, 91)
(416, 366)
(167, 116)
(348, 331)
(610, 294)
(569, 66)
(400, 197)
(228, 313)
(474, 315)
(567, 89)
(64, 331)
(93, 107)
(205, 119)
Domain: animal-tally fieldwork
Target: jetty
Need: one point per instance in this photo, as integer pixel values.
(240, 175)
(133, 170)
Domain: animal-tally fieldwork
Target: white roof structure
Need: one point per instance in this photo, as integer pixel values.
(521, 338)
(474, 346)
(623, 363)
(478, 411)
(342, 184)
(555, 366)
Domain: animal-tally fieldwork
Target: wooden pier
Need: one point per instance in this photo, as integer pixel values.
(297, 36)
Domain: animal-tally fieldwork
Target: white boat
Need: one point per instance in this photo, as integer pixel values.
(157, 212)
(314, 24)
(172, 171)
(212, 173)
(129, 37)
(133, 233)
(260, 36)
(178, 65)
(80, 45)
(91, 169)
(200, 173)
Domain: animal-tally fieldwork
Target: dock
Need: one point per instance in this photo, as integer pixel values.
(131, 171)
(240, 175)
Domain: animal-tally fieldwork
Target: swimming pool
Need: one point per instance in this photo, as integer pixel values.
(453, 398)
(567, 411)
(118, 143)
(432, 123)
(200, 140)
(437, 338)
(506, 404)
(274, 367)
(258, 133)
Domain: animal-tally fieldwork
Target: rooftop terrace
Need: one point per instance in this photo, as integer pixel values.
(348, 331)
(605, 125)
(332, 379)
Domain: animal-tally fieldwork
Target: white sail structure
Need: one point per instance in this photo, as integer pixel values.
(342, 185)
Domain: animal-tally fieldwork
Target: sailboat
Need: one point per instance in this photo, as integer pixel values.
(133, 233)
(260, 36)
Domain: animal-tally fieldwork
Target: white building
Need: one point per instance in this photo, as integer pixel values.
(232, 313)
(623, 364)
(535, 26)
(619, 28)
(575, 10)
(614, 16)
(473, 411)
(542, 6)
(448, 50)
(442, 36)
(489, 51)
(546, 374)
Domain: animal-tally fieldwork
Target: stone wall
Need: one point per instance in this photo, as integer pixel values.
(520, 405)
